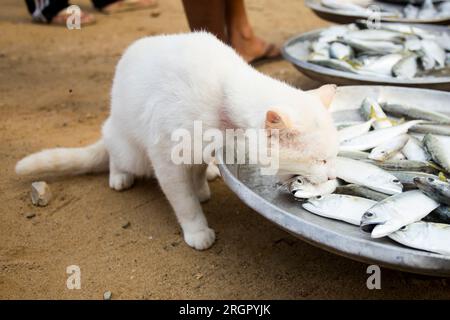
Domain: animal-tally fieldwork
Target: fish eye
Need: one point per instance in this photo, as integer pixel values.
(403, 228)
(430, 179)
(396, 181)
(299, 180)
(369, 214)
(319, 197)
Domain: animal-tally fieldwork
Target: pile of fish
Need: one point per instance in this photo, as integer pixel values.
(391, 177)
(393, 50)
(428, 10)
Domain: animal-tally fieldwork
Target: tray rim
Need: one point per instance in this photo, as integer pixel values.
(316, 6)
(379, 253)
(324, 71)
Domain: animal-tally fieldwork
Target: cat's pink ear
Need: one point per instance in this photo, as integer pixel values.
(274, 120)
(326, 93)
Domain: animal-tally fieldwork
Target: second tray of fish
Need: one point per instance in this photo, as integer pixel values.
(394, 54)
(341, 11)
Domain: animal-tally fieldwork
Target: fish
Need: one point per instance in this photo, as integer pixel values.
(371, 109)
(340, 51)
(367, 175)
(397, 156)
(411, 112)
(360, 191)
(356, 155)
(345, 208)
(410, 11)
(440, 215)
(383, 65)
(374, 138)
(374, 47)
(434, 188)
(387, 149)
(439, 150)
(434, 52)
(428, 236)
(375, 35)
(395, 212)
(406, 67)
(407, 178)
(303, 189)
(406, 165)
(334, 64)
(427, 11)
(355, 130)
(415, 150)
(439, 129)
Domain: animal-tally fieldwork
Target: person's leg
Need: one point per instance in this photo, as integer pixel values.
(54, 11)
(207, 15)
(241, 35)
(113, 6)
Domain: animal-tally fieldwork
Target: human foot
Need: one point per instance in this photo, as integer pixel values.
(129, 5)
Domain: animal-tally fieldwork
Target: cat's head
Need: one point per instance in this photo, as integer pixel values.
(308, 142)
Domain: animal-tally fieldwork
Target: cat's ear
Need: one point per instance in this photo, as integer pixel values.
(275, 120)
(326, 93)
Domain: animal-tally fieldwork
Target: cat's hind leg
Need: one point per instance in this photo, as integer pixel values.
(201, 187)
(177, 183)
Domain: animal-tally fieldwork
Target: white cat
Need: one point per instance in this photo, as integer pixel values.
(166, 82)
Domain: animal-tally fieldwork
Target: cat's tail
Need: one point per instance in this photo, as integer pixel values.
(92, 158)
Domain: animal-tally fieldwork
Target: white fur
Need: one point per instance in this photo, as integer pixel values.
(166, 82)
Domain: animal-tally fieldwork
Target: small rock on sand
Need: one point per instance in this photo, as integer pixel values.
(30, 215)
(155, 13)
(107, 295)
(40, 193)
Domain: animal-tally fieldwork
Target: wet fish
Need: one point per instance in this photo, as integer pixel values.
(356, 155)
(340, 207)
(407, 178)
(439, 150)
(374, 138)
(359, 191)
(375, 47)
(397, 211)
(340, 51)
(302, 188)
(428, 236)
(406, 67)
(334, 64)
(367, 175)
(433, 51)
(375, 35)
(383, 65)
(439, 129)
(406, 165)
(371, 109)
(415, 150)
(355, 130)
(411, 112)
(387, 149)
(434, 188)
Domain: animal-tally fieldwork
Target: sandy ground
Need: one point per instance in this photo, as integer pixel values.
(54, 91)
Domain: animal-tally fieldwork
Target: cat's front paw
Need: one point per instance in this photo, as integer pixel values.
(120, 181)
(212, 172)
(200, 240)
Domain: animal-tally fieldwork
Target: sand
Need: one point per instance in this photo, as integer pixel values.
(54, 91)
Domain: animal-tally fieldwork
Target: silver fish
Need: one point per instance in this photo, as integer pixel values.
(376, 47)
(407, 178)
(340, 51)
(359, 191)
(428, 236)
(371, 109)
(439, 148)
(405, 165)
(367, 175)
(415, 150)
(427, 11)
(439, 129)
(302, 188)
(355, 130)
(375, 35)
(440, 215)
(397, 211)
(334, 64)
(433, 51)
(383, 65)
(374, 138)
(340, 207)
(387, 149)
(406, 67)
(434, 188)
(355, 155)
(412, 112)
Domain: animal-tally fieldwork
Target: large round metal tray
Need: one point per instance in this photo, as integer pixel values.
(348, 17)
(262, 194)
(296, 51)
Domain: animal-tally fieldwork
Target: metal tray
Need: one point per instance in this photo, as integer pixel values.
(348, 17)
(262, 194)
(296, 51)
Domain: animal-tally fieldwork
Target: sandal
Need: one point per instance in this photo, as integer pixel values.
(128, 5)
